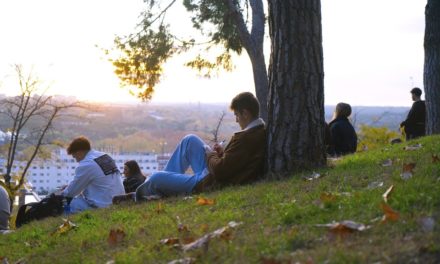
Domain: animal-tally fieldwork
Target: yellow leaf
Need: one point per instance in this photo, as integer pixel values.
(327, 197)
(205, 201)
(63, 228)
(159, 208)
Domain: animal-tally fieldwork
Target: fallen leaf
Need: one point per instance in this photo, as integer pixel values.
(205, 201)
(374, 185)
(427, 224)
(64, 227)
(183, 261)
(115, 236)
(265, 260)
(389, 213)
(203, 242)
(387, 193)
(345, 227)
(326, 197)
(312, 177)
(407, 171)
(387, 163)
(413, 147)
(159, 208)
(435, 158)
(409, 166)
(204, 228)
(170, 241)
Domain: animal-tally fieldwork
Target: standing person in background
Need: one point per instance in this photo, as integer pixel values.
(414, 125)
(133, 176)
(5, 209)
(343, 138)
(97, 178)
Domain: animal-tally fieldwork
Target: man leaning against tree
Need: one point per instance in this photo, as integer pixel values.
(240, 162)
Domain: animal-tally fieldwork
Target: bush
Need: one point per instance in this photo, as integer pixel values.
(375, 137)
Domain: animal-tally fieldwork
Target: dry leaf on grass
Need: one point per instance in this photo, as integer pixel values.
(389, 213)
(170, 241)
(375, 184)
(64, 227)
(203, 242)
(413, 147)
(327, 197)
(386, 194)
(345, 227)
(183, 261)
(205, 201)
(115, 236)
(407, 170)
(387, 163)
(435, 158)
(312, 177)
(427, 224)
(159, 208)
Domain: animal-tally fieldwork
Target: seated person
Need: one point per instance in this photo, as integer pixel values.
(414, 124)
(343, 138)
(133, 176)
(96, 180)
(5, 209)
(240, 162)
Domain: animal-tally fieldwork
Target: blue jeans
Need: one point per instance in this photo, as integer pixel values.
(79, 204)
(173, 180)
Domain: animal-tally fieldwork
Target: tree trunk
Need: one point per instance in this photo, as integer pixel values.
(253, 44)
(296, 87)
(431, 75)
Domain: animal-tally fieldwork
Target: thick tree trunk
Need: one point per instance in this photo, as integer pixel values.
(431, 75)
(296, 87)
(253, 44)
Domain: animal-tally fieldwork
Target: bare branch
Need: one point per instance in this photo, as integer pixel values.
(217, 128)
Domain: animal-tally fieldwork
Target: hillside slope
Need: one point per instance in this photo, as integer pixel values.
(281, 221)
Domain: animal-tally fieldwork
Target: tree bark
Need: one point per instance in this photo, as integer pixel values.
(253, 44)
(431, 74)
(296, 87)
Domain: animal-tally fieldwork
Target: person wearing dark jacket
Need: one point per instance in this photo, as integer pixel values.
(133, 176)
(343, 138)
(414, 125)
(240, 162)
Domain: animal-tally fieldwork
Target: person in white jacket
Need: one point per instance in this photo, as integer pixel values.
(5, 209)
(97, 178)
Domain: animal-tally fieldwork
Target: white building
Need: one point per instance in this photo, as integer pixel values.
(47, 175)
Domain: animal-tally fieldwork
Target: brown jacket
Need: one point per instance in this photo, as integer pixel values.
(241, 162)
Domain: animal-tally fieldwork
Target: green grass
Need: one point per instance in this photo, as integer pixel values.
(279, 219)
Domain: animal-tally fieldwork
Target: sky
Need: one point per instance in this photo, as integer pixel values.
(373, 51)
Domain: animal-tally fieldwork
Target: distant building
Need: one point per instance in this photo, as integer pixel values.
(48, 175)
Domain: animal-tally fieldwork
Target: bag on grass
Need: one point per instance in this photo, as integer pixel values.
(52, 205)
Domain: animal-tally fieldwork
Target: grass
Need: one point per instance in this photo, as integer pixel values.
(279, 220)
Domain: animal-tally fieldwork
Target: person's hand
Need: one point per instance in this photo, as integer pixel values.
(219, 149)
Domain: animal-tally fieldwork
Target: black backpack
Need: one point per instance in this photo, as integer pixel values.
(52, 205)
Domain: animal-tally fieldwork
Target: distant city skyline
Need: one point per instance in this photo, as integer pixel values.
(373, 51)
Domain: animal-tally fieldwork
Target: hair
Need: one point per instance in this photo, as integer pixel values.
(342, 110)
(79, 143)
(133, 167)
(246, 101)
(416, 91)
